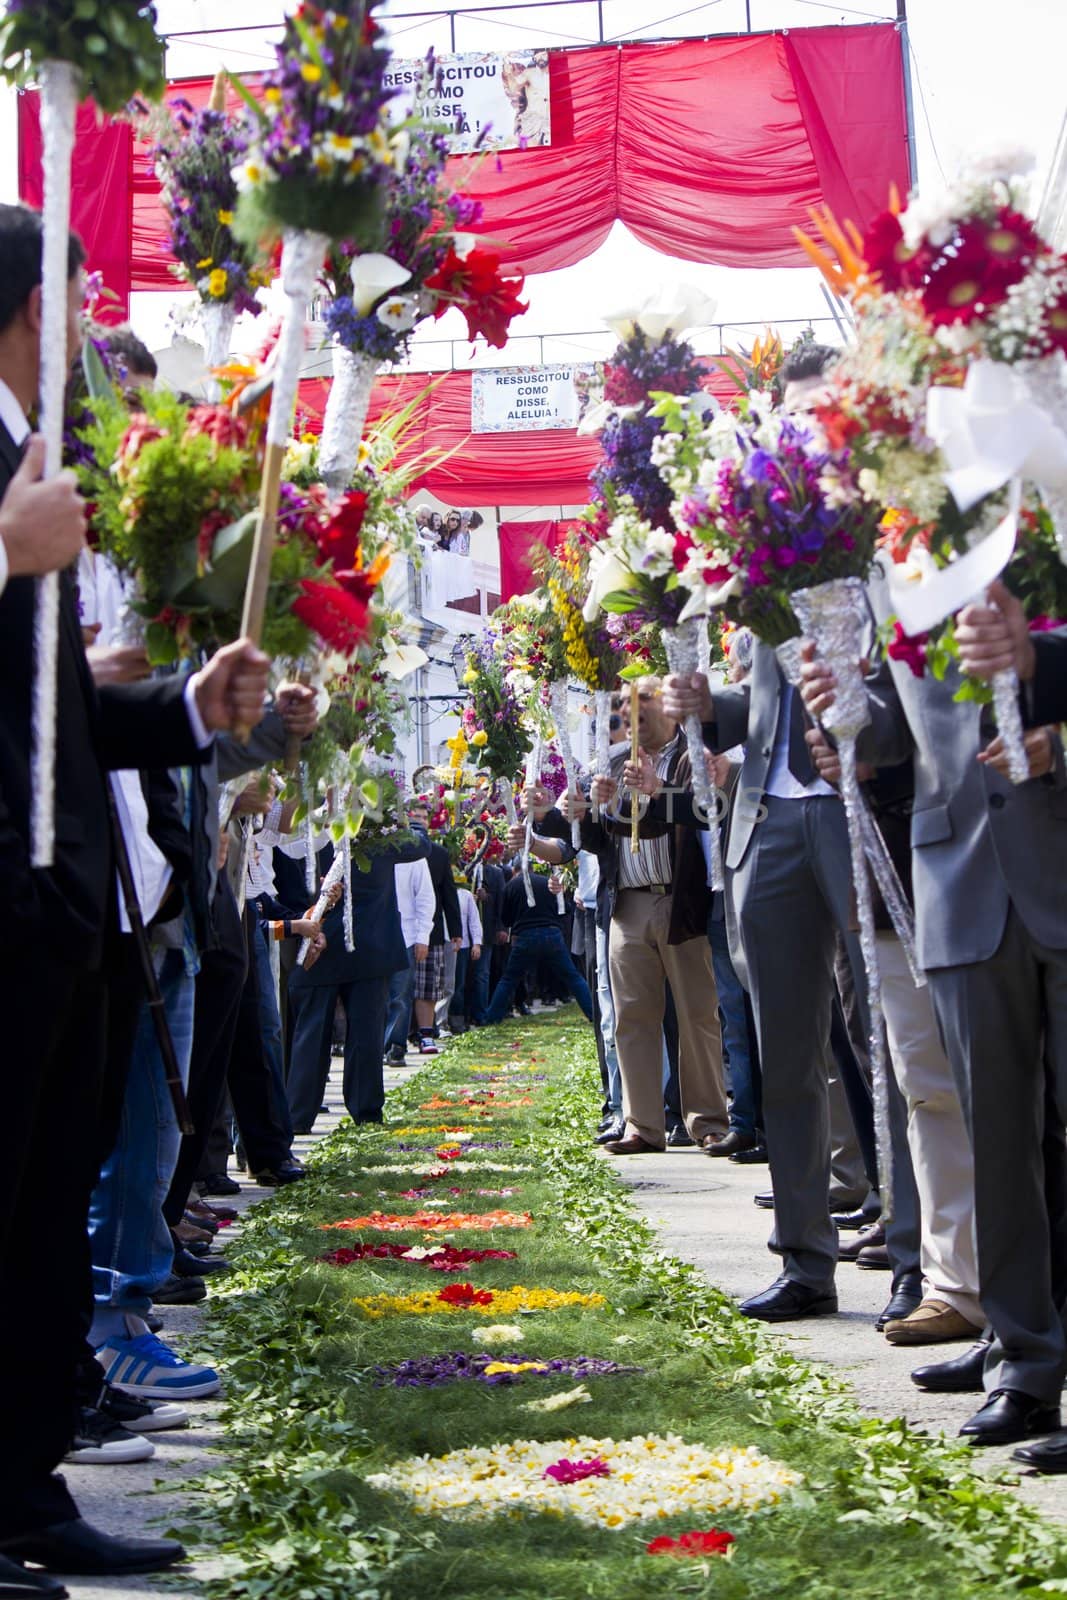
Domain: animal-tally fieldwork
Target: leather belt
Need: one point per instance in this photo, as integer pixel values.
(644, 888)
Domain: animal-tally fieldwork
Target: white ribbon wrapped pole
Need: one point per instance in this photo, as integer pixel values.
(59, 105)
(533, 772)
(346, 415)
(558, 694)
(217, 318)
(602, 758)
(333, 877)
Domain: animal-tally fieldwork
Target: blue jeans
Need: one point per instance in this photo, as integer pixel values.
(737, 1056)
(607, 1023)
(457, 1006)
(398, 1013)
(131, 1246)
(481, 971)
(528, 950)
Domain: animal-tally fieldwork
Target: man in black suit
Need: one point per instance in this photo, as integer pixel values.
(360, 979)
(58, 929)
(430, 978)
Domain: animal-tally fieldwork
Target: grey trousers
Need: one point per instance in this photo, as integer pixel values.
(792, 894)
(1004, 1026)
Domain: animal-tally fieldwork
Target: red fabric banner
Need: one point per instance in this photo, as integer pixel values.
(711, 150)
(520, 545)
(100, 192)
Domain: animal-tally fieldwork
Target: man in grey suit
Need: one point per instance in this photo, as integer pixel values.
(990, 888)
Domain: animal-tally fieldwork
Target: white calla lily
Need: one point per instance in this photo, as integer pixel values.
(607, 574)
(671, 309)
(372, 276)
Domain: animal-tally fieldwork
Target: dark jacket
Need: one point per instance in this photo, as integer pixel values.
(491, 907)
(380, 949)
(135, 726)
(444, 888)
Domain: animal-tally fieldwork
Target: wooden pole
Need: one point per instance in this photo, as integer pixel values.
(255, 605)
(635, 756)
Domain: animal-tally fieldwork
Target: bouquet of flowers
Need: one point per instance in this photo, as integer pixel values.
(112, 45)
(195, 154)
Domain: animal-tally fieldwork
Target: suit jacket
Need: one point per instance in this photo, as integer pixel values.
(143, 725)
(379, 938)
(444, 888)
(491, 908)
(1045, 698)
(979, 843)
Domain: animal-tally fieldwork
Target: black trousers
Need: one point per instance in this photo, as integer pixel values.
(219, 984)
(51, 1080)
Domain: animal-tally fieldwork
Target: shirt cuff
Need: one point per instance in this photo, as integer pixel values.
(3, 566)
(196, 722)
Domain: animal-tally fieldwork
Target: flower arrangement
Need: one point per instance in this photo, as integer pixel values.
(434, 1372)
(112, 44)
(498, 1333)
(438, 1258)
(643, 1479)
(426, 1221)
(592, 652)
(322, 148)
(496, 708)
(195, 154)
(764, 507)
(465, 1297)
(172, 489)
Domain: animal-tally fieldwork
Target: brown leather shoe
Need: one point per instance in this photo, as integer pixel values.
(868, 1238)
(633, 1146)
(932, 1322)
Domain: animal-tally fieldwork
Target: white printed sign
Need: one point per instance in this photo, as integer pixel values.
(484, 102)
(525, 399)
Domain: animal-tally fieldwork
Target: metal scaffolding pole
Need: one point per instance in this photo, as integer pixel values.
(909, 97)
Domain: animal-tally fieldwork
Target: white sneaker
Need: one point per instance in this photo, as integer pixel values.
(99, 1442)
(143, 1365)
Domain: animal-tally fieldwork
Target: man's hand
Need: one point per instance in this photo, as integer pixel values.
(117, 663)
(1040, 752)
(717, 768)
(297, 705)
(994, 637)
(255, 799)
(42, 525)
(817, 683)
(827, 762)
(305, 927)
(318, 945)
(555, 884)
(539, 800)
(502, 936)
(574, 807)
(476, 952)
(641, 776)
(422, 952)
(230, 691)
(686, 694)
(333, 894)
(457, 945)
(516, 838)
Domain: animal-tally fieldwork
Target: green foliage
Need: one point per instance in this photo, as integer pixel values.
(112, 43)
(885, 1510)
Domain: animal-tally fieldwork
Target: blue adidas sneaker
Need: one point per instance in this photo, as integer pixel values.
(141, 1364)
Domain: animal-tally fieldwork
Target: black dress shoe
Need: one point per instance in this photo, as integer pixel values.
(18, 1584)
(218, 1183)
(1008, 1416)
(849, 1221)
(764, 1201)
(187, 1266)
(277, 1177)
(786, 1301)
(869, 1237)
(1049, 1455)
(613, 1130)
(902, 1302)
(78, 1548)
(960, 1376)
(756, 1157)
(679, 1137)
(732, 1143)
(175, 1291)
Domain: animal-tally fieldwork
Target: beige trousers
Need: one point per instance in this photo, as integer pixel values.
(937, 1136)
(642, 963)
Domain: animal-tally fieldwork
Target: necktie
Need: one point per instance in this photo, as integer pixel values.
(799, 757)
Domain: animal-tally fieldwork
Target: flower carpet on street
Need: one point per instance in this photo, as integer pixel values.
(443, 1397)
(610, 1485)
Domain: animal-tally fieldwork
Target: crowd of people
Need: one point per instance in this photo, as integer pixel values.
(730, 1022)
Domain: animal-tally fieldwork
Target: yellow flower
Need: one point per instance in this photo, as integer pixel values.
(427, 1303)
(310, 72)
(480, 739)
(217, 283)
(226, 218)
(207, 261)
(470, 676)
(496, 1367)
(273, 97)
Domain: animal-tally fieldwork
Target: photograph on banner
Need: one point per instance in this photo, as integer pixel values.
(479, 101)
(521, 399)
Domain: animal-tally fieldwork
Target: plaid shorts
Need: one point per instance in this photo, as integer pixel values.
(430, 975)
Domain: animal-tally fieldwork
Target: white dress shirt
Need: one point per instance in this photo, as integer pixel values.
(780, 781)
(470, 920)
(416, 899)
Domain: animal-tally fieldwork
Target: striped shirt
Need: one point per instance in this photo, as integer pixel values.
(652, 862)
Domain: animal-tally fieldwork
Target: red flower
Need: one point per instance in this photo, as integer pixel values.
(340, 620)
(713, 1543)
(1011, 242)
(476, 284)
(226, 431)
(1056, 321)
(840, 429)
(139, 433)
(465, 1294)
(211, 526)
(339, 542)
(577, 1471)
(987, 258)
(910, 648)
(886, 254)
(622, 388)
